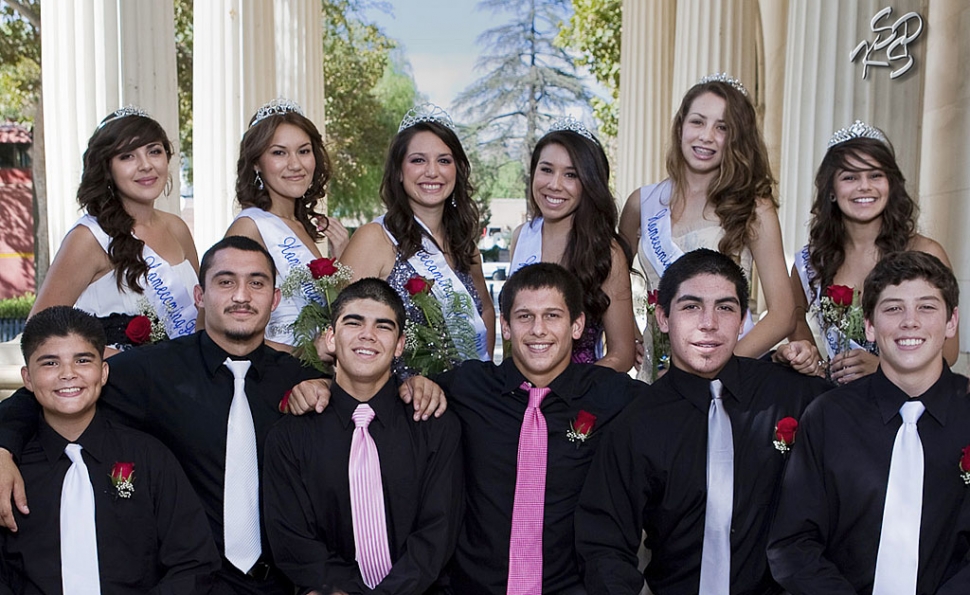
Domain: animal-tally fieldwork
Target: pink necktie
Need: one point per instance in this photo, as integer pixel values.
(525, 546)
(367, 501)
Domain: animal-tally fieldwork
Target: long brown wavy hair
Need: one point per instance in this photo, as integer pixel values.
(255, 142)
(588, 253)
(97, 196)
(744, 175)
(826, 234)
(460, 221)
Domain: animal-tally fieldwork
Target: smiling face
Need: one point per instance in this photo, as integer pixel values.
(541, 334)
(365, 339)
(287, 164)
(140, 174)
(703, 324)
(861, 191)
(428, 172)
(704, 133)
(66, 375)
(239, 297)
(556, 188)
(909, 324)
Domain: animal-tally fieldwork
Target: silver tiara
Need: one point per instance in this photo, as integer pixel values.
(426, 112)
(573, 125)
(723, 77)
(128, 110)
(276, 107)
(858, 129)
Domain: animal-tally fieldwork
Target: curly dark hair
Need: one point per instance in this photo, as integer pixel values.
(255, 142)
(826, 235)
(589, 247)
(460, 222)
(96, 193)
(745, 173)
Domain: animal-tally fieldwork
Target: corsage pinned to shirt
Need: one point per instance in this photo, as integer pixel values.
(785, 431)
(581, 428)
(965, 465)
(123, 479)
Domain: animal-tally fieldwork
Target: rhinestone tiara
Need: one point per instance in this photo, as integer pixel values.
(276, 107)
(426, 112)
(573, 125)
(723, 77)
(857, 129)
(128, 110)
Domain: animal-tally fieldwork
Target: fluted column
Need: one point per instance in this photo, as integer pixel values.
(299, 55)
(646, 71)
(234, 73)
(944, 187)
(98, 56)
(774, 19)
(824, 91)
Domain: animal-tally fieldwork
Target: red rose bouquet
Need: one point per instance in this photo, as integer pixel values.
(441, 342)
(839, 309)
(656, 343)
(318, 283)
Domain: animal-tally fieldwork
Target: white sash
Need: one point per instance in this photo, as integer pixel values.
(656, 235)
(832, 335)
(430, 263)
(173, 302)
(528, 246)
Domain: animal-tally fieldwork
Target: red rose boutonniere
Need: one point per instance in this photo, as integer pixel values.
(416, 285)
(785, 431)
(285, 401)
(139, 330)
(965, 465)
(322, 267)
(580, 429)
(123, 478)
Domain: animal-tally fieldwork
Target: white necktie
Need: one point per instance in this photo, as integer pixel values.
(241, 497)
(79, 538)
(716, 555)
(898, 557)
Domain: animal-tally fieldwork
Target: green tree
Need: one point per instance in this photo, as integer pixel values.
(183, 64)
(528, 81)
(594, 31)
(19, 60)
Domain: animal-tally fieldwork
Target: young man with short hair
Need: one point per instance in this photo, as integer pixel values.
(694, 464)
(324, 534)
(112, 510)
(530, 427)
(875, 498)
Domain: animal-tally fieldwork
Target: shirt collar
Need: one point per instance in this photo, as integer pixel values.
(91, 440)
(890, 398)
(214, 357)
(569, 385)
(697, 390)
(383, 402)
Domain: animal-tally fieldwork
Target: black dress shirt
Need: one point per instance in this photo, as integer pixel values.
(491, 405)
(155, 541)
(651, 475)
(307, 494)
(826, 534)
(180, 392)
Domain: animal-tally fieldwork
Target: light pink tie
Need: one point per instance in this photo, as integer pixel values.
(367, 502)
(525, 546)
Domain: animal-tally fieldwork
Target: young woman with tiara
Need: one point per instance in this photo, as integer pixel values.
(718, 195)
(124, 257)
(281, 175)
(861, 213)
(572, 222)
(431, 225)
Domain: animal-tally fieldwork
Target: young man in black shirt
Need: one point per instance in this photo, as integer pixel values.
(517, 536)
(314, 525)
(142, 528)
(858, 514)
(706, 525)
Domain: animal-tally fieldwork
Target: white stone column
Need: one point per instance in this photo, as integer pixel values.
(944, 187)
(100, 55)
(646, 72)
(234, 73)
(299, 56)
(824, 91)
(774, 19)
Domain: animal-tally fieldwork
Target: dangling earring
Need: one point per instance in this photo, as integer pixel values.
(258, 182)
(832, 198)
(454, 203)
(111, 191)
(168, 185)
